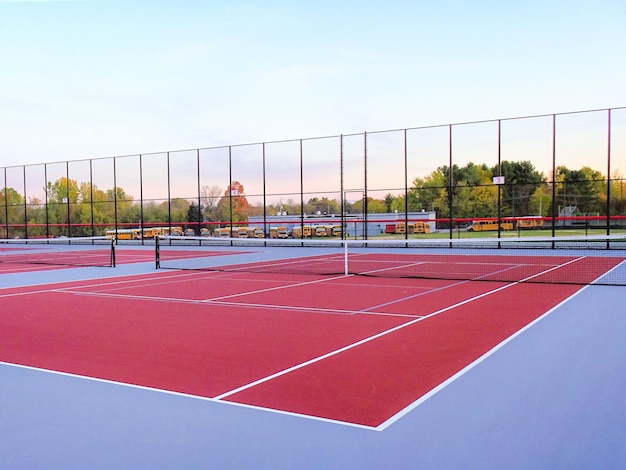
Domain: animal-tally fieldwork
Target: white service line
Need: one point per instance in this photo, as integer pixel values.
(270, 289)
(379, 335)
(358, 343)
(466, 369)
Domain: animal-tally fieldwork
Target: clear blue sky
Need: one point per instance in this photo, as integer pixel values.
(100, 78)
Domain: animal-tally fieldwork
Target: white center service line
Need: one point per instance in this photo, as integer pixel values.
(381, 334)
(270, 289)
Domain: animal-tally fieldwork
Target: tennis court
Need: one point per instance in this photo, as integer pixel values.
(249, 354)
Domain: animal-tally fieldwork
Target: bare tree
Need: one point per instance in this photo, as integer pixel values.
(209, 197)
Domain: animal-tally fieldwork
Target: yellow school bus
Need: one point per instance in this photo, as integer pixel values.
(222, 232)
(151, 232)
(400, 228)
(255, 232)
(123, 234)
(320, 231)
(279, 232)
(177, 231)
(420, 227)
(530, 223)
(335, 230)
(301, 231)
(487, 225)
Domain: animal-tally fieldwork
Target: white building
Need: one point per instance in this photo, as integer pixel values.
(353, 223)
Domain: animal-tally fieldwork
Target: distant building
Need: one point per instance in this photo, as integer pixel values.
(353, 223)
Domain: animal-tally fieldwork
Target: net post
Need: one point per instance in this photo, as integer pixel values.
(113, 252)
(346, 270)
(157, 253)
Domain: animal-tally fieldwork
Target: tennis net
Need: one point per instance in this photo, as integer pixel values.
(563, 260)
(74, 251)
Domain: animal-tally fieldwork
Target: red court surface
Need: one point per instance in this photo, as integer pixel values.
(30, 259)
(133, 367)
(10, 262)
(320, 347)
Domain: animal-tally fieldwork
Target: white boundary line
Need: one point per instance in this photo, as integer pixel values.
(470, 366)
(387, 423)
(358, 343)
(101, 281)
(378, 335)
(270, 289)
(381, 427)
(184, 395)
(606, 274)
(236, 304)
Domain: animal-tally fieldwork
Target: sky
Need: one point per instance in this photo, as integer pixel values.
(99, 78)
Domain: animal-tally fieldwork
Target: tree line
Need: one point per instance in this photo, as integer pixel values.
(468, 191)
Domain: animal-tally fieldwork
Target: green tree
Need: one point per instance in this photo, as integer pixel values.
(62, 190)
(289, 207)
(11, 204)
(374, 206)
(474, 193)
(397, 204)
(540, 201)
(430, 193)
(194, 215)
(618, 194)
(468, 189)
(584, 188)
(389, 200)
(62, 195)
(521, 181)
(124, 203)
(154, 213)
(103, 209)
(322, 205)
(179, 209)
(36, 217)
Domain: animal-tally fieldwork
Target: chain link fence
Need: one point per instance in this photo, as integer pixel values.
(550, 172)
